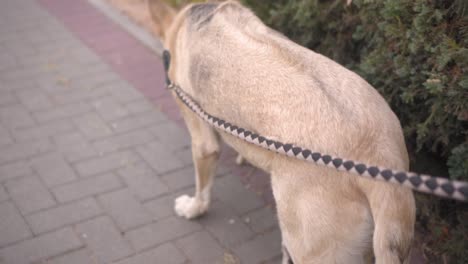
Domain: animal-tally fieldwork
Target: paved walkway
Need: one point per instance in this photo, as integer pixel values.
(92, 152)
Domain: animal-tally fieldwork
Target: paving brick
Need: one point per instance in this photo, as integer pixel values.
(109, 109)
(3, 194)
(139, 106)
(7, 98)
(76, 78)
(139, 121)
(34, 99)
(81, 256)
(228, 166)
(17, 74)
(185, 155)
(20, 49)
(255, 178)
(37, 37)
(106, 163)
(14, 170)
(166, 253)
(84, 68)
(173, 136)
(53, 83)
(78, 93)
(5, 137)
(84, 56)
(29, 194)
(228, 228)
(41, 247)
(63, 215)
(162, 231)
(43, 131)
(126, 211)
(200, 247)
(123, 141)
(43, 63)
(227, 153)
(53, 169)
(12, 226)
(53, 27)
(46, 63)
(15, 116)
(103, 240)
(261, 249)
(123, 92)
(17, 151)
(276, 260)
(92, 126)
(157, 156)
(75, 147)
(8, 61)
(161, 207)
(7, 35)
(62, 112)
(101, 80)
(180, 179)
(24, 25)
(230, 191)
(12, 86)
(143, 181)
(67, 43)
(87, 187)
(262, 219)
(168, 105)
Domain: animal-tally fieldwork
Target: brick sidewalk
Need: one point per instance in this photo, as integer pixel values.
(92, 153)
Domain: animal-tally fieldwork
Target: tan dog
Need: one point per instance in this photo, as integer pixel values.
(240, 70)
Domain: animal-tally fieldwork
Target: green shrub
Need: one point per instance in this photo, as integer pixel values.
(458, 163)
(415, 52)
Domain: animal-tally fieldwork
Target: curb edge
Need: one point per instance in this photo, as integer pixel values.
(128, 25)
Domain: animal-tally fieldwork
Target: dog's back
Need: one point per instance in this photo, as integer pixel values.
(242, 71)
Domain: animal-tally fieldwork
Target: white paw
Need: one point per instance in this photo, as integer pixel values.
(189, 207)
(239, 159)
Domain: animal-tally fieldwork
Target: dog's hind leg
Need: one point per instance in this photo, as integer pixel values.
(393, 211)
(239, 159)
(205, 153)
(286, 257)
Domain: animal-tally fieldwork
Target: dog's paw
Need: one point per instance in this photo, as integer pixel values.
(189, 207)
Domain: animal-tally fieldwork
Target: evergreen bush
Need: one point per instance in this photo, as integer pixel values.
(415, 52)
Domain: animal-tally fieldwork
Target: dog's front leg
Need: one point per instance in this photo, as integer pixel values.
(205, 152)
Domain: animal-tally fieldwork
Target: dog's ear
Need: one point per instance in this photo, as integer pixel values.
(162, 14)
